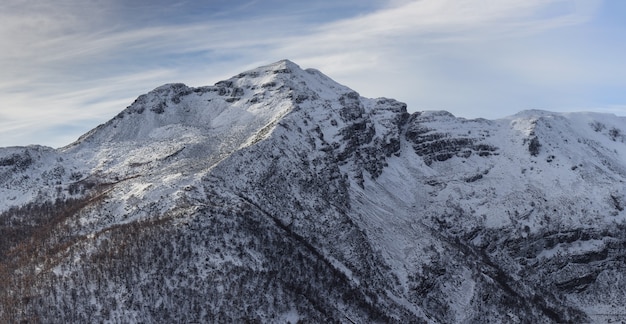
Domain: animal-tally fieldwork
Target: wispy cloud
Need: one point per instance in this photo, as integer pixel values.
(27, 114)
(428, 26)
(486, 59)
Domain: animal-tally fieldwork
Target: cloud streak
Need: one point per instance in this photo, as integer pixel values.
(453, 55)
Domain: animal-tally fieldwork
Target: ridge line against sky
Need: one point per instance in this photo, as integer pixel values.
(70, 65)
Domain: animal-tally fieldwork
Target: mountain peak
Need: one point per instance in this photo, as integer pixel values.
(262, 93)
(534, 113)
(169, 87)
(284, 65)
(279, 67)
(280, 195)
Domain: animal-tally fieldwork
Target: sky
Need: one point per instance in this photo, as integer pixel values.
(67, 66)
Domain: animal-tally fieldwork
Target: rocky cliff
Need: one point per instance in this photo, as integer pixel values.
(281, 196)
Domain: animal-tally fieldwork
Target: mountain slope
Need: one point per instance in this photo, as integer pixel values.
(279, 195)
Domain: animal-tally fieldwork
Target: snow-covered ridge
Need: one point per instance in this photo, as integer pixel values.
(283, 183)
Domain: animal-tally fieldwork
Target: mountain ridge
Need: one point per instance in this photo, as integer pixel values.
(281, 195)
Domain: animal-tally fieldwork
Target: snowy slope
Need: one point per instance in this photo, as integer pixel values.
(281, 195)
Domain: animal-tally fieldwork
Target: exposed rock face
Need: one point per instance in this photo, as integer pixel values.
(279, 195)
(433, 145)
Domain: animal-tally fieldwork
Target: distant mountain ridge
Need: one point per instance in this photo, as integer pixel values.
(280, 195)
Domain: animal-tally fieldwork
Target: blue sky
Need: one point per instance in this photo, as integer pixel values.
(70, 65)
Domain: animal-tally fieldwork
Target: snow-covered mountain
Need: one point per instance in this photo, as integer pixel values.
(279, 195)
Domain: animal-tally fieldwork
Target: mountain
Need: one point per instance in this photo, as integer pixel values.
(281, 196)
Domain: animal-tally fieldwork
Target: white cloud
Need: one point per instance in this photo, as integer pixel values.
(474, 59)
(423, 25)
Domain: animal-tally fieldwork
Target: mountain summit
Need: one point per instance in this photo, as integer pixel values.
(280, 195)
